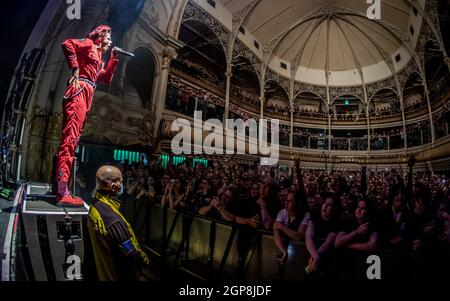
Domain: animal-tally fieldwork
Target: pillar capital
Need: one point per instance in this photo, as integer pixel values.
(229, 71)
(168, 54)
(447, 61)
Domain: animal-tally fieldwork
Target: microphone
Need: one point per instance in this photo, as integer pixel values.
(121, 51)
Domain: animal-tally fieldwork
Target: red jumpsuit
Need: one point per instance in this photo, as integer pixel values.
(85, 55)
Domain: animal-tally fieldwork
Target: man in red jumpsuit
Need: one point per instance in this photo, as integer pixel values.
(84, 58)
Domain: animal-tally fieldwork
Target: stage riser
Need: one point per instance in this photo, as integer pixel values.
(45, 231)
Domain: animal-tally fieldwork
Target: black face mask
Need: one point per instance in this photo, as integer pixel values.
(120, 192)
(111, 192)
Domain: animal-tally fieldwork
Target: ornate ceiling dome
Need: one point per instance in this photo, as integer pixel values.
(330, 35)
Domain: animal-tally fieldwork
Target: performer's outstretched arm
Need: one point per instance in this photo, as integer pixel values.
(106, 75)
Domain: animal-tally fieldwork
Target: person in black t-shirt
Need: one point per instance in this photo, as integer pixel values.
(269, 202)
(248, 208)
(220, 207)
(248, 217)
(392, 221)
(202, 197)
(358, 234)
(354, 241)
(321, 235)
(420, 232)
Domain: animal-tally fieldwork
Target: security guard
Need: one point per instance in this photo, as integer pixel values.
(117, 253)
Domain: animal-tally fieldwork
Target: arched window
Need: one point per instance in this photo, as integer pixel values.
(139, 77)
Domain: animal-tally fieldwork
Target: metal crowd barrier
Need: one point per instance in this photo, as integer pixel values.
(207, 249)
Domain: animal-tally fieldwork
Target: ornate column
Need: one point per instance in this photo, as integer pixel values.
(291, 109)
(327, 79)
(421, 137)
(262, 99)
(367, 103)
(447, 61)
(168, 54)
(405, 138)
(446, 129)
(430, 113)
(329, 130)
(368, 125)
(291, 134)
(228, 74)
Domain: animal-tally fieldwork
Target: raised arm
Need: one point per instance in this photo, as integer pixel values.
(106, 75)
(363, 181)
(299, 175)
(265, 216)
(409, 187)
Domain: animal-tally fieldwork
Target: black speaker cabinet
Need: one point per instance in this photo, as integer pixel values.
(54, 236)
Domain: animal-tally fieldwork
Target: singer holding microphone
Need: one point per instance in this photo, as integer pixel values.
(84, 57)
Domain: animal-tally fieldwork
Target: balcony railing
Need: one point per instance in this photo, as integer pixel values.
(315, 118)
(203, 83)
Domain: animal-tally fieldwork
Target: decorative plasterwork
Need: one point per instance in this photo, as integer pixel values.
(240, 50)
(404, 74)
(320, 91)
(432, 11)
(431, 18)
(426, 35)
(107, 120)
(373, 88)
(193, 12)
(357, 91)
(284, 82)
(240, 15)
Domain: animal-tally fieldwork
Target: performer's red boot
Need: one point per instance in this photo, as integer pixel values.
(65, 199)
(69, 201)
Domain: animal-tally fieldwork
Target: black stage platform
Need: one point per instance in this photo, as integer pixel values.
(39, 238)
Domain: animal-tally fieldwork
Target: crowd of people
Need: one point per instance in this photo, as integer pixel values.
(357, 143)
(308, 112)
(274, 108)
(338, 214)
(185, 99)
(244, 96)
(385, 111)
(349, 116)
(308, 138)
(418, 133)
(196, 70)
(414, 101)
